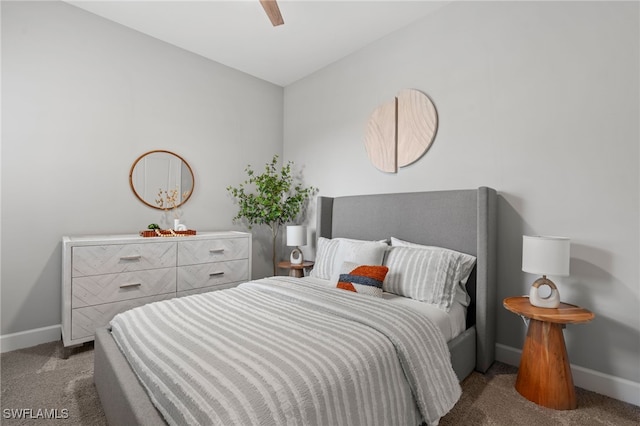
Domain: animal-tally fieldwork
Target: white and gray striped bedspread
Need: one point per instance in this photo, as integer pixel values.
(279, 351)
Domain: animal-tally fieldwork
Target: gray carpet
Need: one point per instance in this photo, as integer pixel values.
(38, 378)
(491, 399)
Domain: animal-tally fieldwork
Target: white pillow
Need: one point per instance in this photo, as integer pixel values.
(396, 242)
(425, 273)
(326, 252)
(332, 253)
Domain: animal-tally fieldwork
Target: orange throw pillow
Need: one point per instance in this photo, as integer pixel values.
(364, 279)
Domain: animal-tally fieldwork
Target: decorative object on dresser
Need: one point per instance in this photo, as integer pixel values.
(545, 256)
(153, 230)
(167, 233)
(544, 376)
(296, 237)
(272, 198)
(399, 132)
(106, 275)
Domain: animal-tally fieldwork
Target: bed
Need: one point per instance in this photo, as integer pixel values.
(460, 220)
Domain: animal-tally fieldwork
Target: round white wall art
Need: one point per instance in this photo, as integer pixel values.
(401, 131)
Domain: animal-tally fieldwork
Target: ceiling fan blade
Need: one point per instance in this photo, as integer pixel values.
(273, 12)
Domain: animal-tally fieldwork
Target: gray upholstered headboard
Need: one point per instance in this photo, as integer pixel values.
(462, 220)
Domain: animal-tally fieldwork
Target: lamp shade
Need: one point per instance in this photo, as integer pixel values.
(546, 255)
(296, 235)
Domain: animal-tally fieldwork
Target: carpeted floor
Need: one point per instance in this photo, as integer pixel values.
(39, 379)
(491, 399)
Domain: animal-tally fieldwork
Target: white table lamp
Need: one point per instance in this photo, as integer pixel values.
(296, 237)
(545, 256)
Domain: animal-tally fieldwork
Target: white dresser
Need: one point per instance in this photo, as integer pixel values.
(105, 275)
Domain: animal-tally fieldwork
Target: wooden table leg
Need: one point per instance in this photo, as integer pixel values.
(545, 376)
(298, 273)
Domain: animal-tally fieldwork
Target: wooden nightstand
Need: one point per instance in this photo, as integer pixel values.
(296, 270)
(544, 376)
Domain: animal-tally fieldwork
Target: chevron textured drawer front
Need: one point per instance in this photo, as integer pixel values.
(86, 320)
(206, 289)
(104, 259)
(105, 275)
(205, 251)
(96, 289)
(211, 274)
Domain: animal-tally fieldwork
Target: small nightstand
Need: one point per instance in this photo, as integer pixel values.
(296, 270)
(544, 376)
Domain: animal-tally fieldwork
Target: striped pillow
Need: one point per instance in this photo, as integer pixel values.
(326, 253)
(428, 274)
(332, 253)
(364, 279)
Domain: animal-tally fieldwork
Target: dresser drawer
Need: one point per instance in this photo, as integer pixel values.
(214, 250)
(206, 289)
(113, 258)
(103, 275)
(85, 321)
(97, 289)
(212, 274)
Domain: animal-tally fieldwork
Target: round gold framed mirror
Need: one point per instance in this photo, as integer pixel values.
(161, 179)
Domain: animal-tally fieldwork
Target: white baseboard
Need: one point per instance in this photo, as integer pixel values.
(585, 378)
(28, 338)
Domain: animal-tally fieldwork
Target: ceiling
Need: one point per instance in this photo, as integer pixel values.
(238, 33)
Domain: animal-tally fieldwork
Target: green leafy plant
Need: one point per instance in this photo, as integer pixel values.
(272, 198)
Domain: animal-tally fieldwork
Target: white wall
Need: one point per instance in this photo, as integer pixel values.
(82, 98)
(539, 100)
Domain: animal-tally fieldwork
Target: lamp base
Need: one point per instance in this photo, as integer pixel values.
(296, 257)
(550, 301)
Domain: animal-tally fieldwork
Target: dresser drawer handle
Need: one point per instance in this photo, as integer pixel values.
(216, 274)
(134, 257)
(131, 285)
(220, 250)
